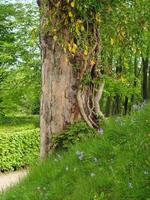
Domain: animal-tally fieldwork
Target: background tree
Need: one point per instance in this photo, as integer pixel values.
(19, 59)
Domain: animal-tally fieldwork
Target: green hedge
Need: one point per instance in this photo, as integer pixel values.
(18, 149)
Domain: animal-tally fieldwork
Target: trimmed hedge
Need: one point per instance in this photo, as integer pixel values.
(18, 149)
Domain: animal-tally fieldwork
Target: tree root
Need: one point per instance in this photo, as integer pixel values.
(82, 111)
(91, 110)
(97, 100)
(95, 108)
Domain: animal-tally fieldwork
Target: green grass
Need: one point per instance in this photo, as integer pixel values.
(113, 166)
(18, 123)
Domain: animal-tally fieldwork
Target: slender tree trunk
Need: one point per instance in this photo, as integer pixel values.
(149, 83)
(126, 105)
(118, 97)
(135, 82)
(117, 104)
(145, 78)
(108, 106)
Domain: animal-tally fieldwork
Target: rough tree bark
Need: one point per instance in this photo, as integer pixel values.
(64, 98)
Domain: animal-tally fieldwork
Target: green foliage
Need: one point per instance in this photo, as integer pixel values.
(19, 141)
(115, 166)
(19, 59)
(124, 35)
(72, 134)
(18, 149)
(122, 86)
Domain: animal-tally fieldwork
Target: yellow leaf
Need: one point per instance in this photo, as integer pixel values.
(85, 52)
(72, 4)
(145, 28)
(122, 35)
(54, 30)
(82, 28)
(74, 48)
(79, 21)
(70, 14)
(112, 41)
(77, 28)
(55, 37)
(92, 62)
(65, 49)
(98, 18)
(69, 47)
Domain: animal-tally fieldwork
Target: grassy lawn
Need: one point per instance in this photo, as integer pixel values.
(112, 166)
(18, 123)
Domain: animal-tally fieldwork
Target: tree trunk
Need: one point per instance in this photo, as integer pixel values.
(117, 104)
(145, 78)
(126, 105)
(108, 106)
(64, 97)
(59, 88)
(149, 84)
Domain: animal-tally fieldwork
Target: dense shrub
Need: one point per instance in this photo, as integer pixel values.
(18, 149)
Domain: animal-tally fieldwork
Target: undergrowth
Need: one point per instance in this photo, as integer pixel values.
(111, 166)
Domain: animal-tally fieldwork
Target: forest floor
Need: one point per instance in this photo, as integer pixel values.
(11, 178)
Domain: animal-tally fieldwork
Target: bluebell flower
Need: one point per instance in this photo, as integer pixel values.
(130, 185)
(136, 107)
(100, 131)
(80, 155)
(95, 159)
(143, 104)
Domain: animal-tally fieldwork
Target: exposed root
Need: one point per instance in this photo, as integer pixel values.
(79, 93)
(90, 112)
(80, 104)
(95, 108)
(97, 100)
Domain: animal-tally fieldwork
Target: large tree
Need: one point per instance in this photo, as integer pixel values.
(73, 66)
(71, 79)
